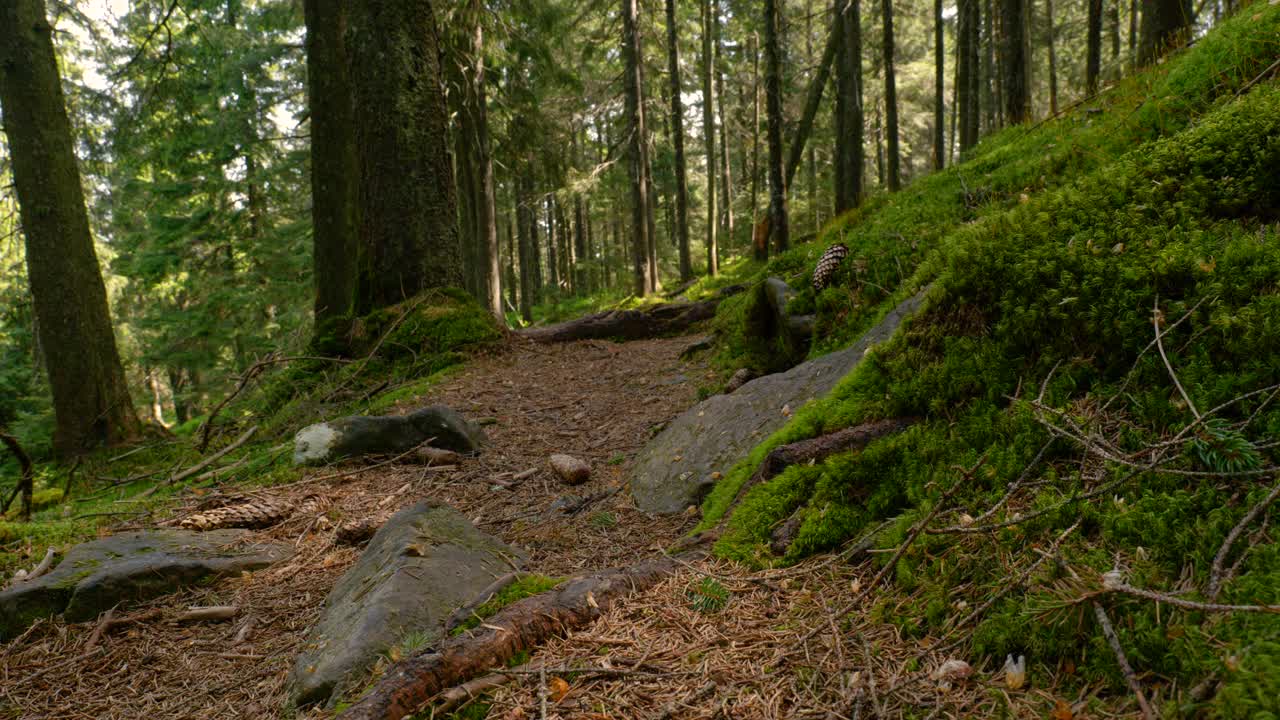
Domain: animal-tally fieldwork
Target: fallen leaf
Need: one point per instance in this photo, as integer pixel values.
(559, 688)
(1062, 711)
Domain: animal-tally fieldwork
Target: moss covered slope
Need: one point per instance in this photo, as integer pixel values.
(1160, 213)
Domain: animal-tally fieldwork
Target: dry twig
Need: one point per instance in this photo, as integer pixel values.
(1216, 574)
(1114, 641)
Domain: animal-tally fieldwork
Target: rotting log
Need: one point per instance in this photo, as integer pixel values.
(819, 448)
(626, 324)
(778, 294)
(413, 683)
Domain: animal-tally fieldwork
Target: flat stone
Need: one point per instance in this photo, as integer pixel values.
(424, 563)
(385, 434)
(129, 568)
(675, 470)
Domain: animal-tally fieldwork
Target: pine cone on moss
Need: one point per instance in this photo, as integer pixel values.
(254, 513)
(827, 265)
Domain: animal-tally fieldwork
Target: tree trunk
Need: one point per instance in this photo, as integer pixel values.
(989, 99)
(91, 400)
(484, 203)
(968, 73)
(773, 101)
(726, 171)
(939, 106)
(553, 257)
(709, 136)
(848, 120)
(812, 101)
(890, 98)
(677, 140)
(1051, 31)
(1093, 46)
(1113, 33)
(524, 227)
(637, 149)
(1016, 88)
(1165, 24)
(759, 250)
(334, 170)
(513, 296)
(408, 226)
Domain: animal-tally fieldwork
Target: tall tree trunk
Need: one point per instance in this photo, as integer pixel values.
(968, 73)
(512, 284)
(890, 98)
(1093, 46)
(524, 226)
(677, 140)
(1051, 32)
(334, 169)
(848, 120)
(408, 226)
(1014, 67)
(726, 170)
(91, 400)
(760, 250)
(812, 100)
(1113, 33)
(991, 107)
(637, 149)
(939, 106)
(1133, 33)
(709, 136)
(553, 239)
(484, 203)
(778, 228)
(1165, 23)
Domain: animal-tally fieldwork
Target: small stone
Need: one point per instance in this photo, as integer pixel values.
(570, 469)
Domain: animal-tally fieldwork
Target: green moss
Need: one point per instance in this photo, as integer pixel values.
(520, 589)
(1154, 202)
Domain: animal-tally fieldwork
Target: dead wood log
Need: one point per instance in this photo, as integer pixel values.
(821, 447)
(411, 684)
(26, 482)
(626, 324)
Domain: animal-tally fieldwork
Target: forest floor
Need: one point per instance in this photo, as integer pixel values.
(713, 640)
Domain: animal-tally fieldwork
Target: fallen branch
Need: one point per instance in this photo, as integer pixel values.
(411, 684)
(1113, 582)
(819, 448)
(208, 614)
(1216, 574)
(1114, 641)
(626, 324)
(465, 612)
(26, 483)
(195, 469)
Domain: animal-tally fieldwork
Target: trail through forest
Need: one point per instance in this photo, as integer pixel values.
(597, 401)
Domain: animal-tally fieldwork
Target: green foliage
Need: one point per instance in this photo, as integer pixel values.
(1225, 449)
(708, 596)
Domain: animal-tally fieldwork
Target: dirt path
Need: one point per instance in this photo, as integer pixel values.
(598, 401)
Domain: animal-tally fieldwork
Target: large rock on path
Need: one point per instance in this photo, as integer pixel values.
(372, 434)
(423, 564)
(129, 568)
(675, 470)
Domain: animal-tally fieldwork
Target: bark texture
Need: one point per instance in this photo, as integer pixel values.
(779, 229)
(890, 98)
(939, 69)
(1014, 66)
(849, 153)
(709, 136)
(1165, 23)
(90, 398)
(408, 227)
(677, 140)
(637, 150)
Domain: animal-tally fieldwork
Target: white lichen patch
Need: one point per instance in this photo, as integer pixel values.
(313, 444)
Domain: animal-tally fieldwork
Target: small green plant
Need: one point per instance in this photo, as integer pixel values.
(617, 459)
(708, 597)
(603, 520)
(1224, 449)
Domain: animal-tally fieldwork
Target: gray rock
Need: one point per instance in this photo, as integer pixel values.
(372, 434)
(675, 470)
(423, 563)
(129, 568)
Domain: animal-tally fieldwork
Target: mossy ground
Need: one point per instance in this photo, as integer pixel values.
(421, 341)
(1090, 229)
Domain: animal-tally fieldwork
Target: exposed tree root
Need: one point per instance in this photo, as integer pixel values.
(519, 627)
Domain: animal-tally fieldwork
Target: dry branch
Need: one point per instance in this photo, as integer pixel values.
(1114, 641)
(626, 324)
(26, 483)
(819, 448)
(521, 626)
(195, 469)
(1216, 574)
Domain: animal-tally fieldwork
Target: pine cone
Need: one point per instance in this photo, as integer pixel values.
(255, 513)
(355, 532)
(313, 505)
(827, 265)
